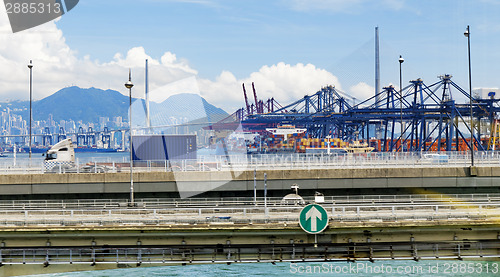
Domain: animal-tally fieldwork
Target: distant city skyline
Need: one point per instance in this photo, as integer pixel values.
(288, 48)
(14, 124)
(74, 111)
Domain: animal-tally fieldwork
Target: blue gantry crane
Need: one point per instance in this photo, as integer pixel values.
(428, 115)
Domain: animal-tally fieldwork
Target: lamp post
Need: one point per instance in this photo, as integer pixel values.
(467, 35)
(30, 66)
(265, 193)
(129, 85)
(401, 61)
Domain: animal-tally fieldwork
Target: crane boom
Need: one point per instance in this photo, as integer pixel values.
(246, 99)
(256, 100)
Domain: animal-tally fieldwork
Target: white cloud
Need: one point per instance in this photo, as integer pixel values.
(362, 91)
(135, 58)
(186, 85)
(284, 82)
(56, 66)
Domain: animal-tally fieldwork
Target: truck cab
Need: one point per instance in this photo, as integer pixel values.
(63, 151)
(60, 157)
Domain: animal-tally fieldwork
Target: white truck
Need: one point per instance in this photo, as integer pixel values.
(60, 158)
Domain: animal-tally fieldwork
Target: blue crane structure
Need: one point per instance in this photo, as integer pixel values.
(87, 138)
(106, 138)
(61, 135)
(47, 136)
(429, 114)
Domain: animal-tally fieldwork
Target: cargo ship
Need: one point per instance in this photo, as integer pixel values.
(280, 139)
(286, 131)
(289, 139)
(358, 147)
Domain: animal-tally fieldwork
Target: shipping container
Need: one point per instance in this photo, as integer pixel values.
(163, 147)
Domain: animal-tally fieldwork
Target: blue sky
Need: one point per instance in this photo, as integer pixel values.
(241, 36)
(223, 43)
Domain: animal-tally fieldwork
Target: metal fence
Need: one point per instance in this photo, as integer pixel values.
(191, 254)
(247, 215)
(347, 200)
(263, 161)
(322, 161)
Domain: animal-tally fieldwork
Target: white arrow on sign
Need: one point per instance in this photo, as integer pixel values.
(313, 214)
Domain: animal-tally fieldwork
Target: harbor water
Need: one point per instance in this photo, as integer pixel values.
(360, 269)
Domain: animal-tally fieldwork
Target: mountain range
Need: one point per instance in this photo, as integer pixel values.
(89, 104)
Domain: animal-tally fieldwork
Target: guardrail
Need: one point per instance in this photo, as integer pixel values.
(247, 215)
(413, 199)
(322, 161)
(239, 162)
(189, 254)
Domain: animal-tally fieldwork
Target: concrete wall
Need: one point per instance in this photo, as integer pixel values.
(106, 185)
(209, 243)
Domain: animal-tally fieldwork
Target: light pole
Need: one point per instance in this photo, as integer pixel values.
(401, 61)
(467, 35)
(129, 85)
(255, 186)
(265, 193)
(30, 66)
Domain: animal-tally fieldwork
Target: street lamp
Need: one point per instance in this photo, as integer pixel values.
(129, 85)
(401, 61)
(467, 35)
(30, 66)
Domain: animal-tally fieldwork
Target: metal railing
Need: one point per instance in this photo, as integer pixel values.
(348, 200)
(184, 254)
(267, 161)
(322, 161)
(247, 215)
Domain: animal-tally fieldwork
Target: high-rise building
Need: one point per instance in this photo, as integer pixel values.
(118, 121)
(103, 122)
(51, 122)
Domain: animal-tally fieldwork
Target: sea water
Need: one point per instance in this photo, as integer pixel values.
(425, 268)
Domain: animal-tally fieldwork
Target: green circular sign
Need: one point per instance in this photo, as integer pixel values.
(313, 219)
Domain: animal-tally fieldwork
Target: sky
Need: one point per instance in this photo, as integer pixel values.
(289, 48)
